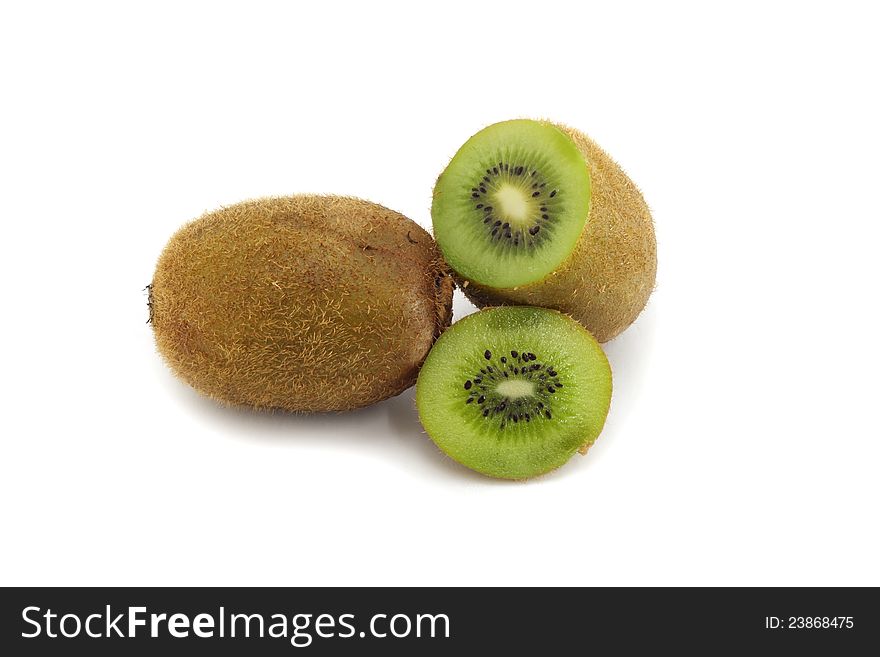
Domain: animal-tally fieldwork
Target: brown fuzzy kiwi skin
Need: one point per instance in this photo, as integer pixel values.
(606, 281)
(302, 303)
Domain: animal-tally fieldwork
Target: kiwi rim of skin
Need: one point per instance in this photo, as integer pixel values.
(462, 410)
(511, 205)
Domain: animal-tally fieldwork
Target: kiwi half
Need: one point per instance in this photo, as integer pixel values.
(513, 392)
(302, 303)
(535, 213)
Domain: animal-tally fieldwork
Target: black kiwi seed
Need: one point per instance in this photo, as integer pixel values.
(497, 407)
(512, 238)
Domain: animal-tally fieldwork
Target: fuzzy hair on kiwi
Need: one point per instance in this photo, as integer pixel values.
(610, 272)
(303, 303)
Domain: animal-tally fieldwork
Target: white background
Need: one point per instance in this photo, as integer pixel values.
(742, 445)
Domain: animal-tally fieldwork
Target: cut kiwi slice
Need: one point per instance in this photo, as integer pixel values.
(514, 392)
(511, 205)
(535, 213)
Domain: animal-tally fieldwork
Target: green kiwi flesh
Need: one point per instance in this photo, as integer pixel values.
(513, 392)
(302, 303)
(596, 258)
(511, 205)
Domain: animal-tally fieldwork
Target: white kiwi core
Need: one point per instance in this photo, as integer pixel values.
(516, 388)
(514, 204)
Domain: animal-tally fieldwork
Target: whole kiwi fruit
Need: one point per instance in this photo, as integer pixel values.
(302, 303)
(535, 213)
